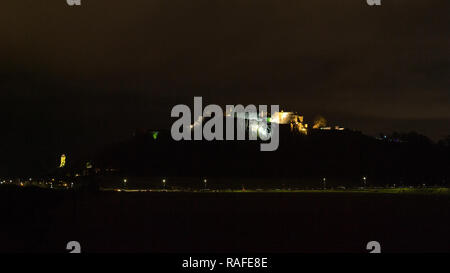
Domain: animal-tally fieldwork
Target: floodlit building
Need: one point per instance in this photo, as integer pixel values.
(62, 161)
(292, 119)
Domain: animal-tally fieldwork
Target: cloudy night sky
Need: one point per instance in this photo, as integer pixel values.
(77, 77)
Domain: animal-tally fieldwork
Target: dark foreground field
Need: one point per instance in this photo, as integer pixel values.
(37, 220)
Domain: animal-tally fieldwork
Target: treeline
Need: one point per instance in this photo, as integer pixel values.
(341, 157)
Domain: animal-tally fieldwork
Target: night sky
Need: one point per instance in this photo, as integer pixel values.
(73, 78)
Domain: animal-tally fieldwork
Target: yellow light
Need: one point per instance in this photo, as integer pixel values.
(63, 161)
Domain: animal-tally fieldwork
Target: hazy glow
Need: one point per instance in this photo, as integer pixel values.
(63, 161)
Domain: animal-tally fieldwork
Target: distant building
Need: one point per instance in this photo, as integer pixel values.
(62, 161)
(293, 119)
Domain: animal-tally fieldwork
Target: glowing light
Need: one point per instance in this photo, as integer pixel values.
(63, 161)
(197, 122)
(319, 122)
(259, 129)
(282, 117)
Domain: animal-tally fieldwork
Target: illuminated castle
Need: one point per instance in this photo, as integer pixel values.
(291, 119)
(295, 121)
